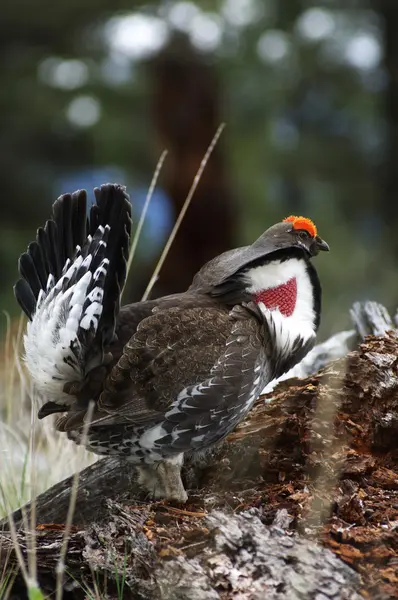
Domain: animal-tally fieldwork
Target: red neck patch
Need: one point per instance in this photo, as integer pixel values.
(283, 297)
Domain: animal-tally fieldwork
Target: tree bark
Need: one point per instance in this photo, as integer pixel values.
(314, 470)
(387, 10)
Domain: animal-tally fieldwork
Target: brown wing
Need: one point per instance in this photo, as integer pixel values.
(189, 403)
(118, 352)
(170, 350)
(187, 376)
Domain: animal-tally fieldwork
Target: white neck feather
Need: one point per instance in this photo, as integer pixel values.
(301, 323)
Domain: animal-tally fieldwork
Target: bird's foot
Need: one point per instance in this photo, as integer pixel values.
(163, 480)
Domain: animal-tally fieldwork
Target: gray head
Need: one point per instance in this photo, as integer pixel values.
(297, 235)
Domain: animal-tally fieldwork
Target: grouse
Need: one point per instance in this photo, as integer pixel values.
(170, 376)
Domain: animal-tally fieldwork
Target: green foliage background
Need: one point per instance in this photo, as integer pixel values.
(311, 125)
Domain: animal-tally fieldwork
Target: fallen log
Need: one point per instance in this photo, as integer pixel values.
(165, 553)
(314, 470)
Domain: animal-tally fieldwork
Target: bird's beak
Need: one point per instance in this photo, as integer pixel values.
(321, 244)
(317, 245)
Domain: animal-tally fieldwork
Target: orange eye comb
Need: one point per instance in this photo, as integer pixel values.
(302, 223)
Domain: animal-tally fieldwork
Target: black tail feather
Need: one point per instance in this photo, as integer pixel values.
(47, 251)
(25, 297)
(51, 230)
(79, 218)
(112, 207)
(69, 228)
(69, 215)
(28, 271)
(38, 258)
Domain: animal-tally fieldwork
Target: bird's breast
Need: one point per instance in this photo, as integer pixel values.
(282, 297)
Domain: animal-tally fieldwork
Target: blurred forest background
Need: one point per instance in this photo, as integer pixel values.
(94, 91)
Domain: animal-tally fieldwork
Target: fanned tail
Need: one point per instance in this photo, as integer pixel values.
(71, 279)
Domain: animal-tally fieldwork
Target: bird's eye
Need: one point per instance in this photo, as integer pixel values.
(304, 234)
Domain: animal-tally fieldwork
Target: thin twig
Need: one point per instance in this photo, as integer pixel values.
(29, 574)
(16, 546)
(143, 215)
(184, 208)
(7, 366)
(60, 568)
(30, 534)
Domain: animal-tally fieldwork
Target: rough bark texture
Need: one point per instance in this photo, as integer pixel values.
(314, 470)
(173, 555)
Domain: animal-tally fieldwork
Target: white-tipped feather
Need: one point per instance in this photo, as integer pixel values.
(65, 312)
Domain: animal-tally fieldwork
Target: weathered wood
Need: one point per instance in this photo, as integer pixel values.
(213, 557)
(324, 450)
(105, 478)
(370, 318)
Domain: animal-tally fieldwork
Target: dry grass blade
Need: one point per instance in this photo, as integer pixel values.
(143, 215)
(184, 209)
(7, 365)
(7, 370)
(31, 537)
(325, 482)
(69, 518)
(17, 550)
(30, 573)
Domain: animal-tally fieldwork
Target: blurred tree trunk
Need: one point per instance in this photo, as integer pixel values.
(388, 11)
(186, 115)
